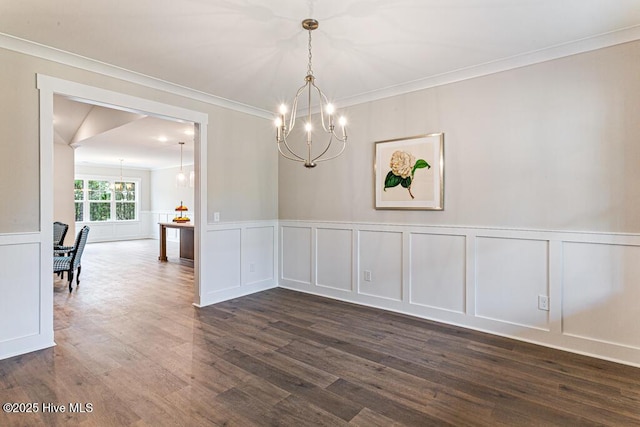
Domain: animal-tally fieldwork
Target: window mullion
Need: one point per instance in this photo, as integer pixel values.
(85, 201)
(113, 200)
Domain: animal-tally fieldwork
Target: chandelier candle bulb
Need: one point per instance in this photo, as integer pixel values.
(308, 128)
(330, 110)
(278, 123)
(343, 123)
(283, 111)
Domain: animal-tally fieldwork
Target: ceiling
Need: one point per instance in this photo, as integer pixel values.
(255, 52)
(104, 137)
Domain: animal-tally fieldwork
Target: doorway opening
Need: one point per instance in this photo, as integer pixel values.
(49, 87)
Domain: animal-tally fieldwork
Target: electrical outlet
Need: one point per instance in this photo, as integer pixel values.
(252, 268)
(367, 276)
(543, 302)
(216, 217)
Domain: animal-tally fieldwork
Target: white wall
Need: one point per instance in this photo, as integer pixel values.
(551, 146)
(63, 199)
(540, 199)
(165, 196)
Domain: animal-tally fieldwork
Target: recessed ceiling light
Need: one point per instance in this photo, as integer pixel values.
(189, 132)
(162, 138)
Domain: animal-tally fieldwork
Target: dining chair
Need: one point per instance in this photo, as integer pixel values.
(71, 260)
(59, 233)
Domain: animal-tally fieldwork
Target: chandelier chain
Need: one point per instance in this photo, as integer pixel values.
(309, 70)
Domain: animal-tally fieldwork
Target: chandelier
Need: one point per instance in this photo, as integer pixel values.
(326, 119)
(121, 186)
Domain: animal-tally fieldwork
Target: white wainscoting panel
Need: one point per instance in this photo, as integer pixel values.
(23, 326)
(334, 258)
(601, 298)
(240, 259)
(381, 254)
(296, 254)
(510, 274)
(117, 230)
(20, 266)
(258, 255)
(128, 230)
(480, 278)
(437, 271)
(223, 258)
(145, 229)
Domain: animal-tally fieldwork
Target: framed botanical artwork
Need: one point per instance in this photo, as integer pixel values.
(410, 173)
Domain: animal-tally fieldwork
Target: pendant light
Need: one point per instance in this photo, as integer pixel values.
(118, 186)
(181, 179)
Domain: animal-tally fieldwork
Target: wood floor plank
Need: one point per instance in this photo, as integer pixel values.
(418, 393)
(389, 408)
(552, 383)
(297, 368)
(369, 418)
(328, 401)
(131, 343)
(297, 411)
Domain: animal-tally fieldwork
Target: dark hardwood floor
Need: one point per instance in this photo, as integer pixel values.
(131, 344)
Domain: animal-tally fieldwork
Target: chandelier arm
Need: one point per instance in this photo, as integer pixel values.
(344, 144)
(339, 138)
(284, 140)
(294, 109)
(318, 160)
(323, 102)
(283, 154)
(325, 149)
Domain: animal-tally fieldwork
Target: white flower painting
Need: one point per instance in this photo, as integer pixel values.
(409, 173)
(403, 167)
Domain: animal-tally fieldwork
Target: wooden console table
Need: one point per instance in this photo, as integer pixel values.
(186, 241)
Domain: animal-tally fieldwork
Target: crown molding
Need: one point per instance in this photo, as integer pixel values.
(530, 58)
(56, 55)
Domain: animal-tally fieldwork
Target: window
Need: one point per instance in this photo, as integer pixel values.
(100, 199)
(125, 201)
